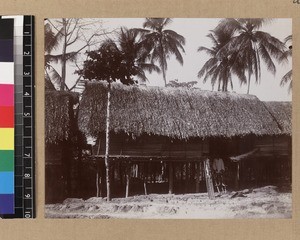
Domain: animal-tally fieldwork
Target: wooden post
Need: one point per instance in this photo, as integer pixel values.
(120, 173)
(237, 180)
(198, 176)
(171, 178)
(107, 163)
(186, 181)
(79, 170)
(128, 173)
(209, 182)
(112, 176)
(145, 177)
(97, 184)
(99, 172)
(99, 175)
(181, 176)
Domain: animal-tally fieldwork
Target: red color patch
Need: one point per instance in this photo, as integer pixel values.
(7, 117)
(7, 92)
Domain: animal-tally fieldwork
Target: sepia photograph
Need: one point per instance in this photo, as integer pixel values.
(168, 118)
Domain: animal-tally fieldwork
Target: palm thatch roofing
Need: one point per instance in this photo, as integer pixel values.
(282, 113)
(59, 116)
(174, 112)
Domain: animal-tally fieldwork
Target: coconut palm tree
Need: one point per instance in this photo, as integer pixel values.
(72, 37)
(161, 43)
(135, 54)
(51, 43)
(252, 45)
(221, 65)
(287, 78)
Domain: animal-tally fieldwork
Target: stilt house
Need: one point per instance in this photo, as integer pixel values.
(159, 137)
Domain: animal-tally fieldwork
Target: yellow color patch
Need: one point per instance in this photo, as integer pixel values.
(7, 137)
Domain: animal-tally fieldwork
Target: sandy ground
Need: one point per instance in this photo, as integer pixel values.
(265, 202)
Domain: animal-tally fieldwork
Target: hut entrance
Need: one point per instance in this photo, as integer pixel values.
(227, 172)
(253, 161)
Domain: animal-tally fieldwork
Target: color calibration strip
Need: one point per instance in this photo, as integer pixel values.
(7, 115)
(23, 46)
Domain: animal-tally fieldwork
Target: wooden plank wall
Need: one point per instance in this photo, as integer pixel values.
(122, 144)
(274, 146)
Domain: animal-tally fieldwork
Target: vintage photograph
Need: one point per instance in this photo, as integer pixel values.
(168, 118)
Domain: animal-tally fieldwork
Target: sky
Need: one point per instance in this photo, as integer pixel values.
(195, 31)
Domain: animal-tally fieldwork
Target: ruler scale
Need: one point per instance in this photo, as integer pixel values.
(28, 114)
(7, 110)
(24, 117)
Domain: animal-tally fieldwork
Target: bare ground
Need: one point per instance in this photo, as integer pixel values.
(265, 202)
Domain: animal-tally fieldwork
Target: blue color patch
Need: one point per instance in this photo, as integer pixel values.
(6, 50)
(7, 204)
(7, 182)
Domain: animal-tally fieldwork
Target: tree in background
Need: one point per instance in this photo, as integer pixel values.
(135, 54)
(252, 45)
(176, 84)
(65, 39)
(239, 48)
(287, 78)
(221, 65)
(115, 62)
(51, 43)
(161, 43)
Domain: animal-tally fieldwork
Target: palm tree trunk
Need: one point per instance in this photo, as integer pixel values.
(107, 165)
(163, 67)
(164, 75)
(63, 60)
(249, 79)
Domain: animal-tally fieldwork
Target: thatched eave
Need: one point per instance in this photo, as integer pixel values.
(59, 115)
(174, 112)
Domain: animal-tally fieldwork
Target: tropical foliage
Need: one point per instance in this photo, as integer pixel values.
(287, 78)
(135, 53)
(65, 39)
(244, 52)
(161, 43)
(221, 65)
(124, 60)
(176, 84)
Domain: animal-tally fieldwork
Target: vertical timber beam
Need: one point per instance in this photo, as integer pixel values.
(209, 182)
(107, 163)
(171, 178)
(145, 177)
(128, 175)
(198, 165)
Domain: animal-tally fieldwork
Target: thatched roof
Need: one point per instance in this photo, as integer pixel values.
(59, 116)
(174, 112)
(282, 112)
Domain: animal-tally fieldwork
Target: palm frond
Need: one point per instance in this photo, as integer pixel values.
(267, 59)
(161, 43)
(207, 66)
(170, 34)
(208, 51)
(287, 79)
(150, 67)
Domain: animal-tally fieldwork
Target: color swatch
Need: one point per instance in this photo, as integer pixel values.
(7, 142)
(17, 152)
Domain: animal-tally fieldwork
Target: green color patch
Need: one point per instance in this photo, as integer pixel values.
(7, 161)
